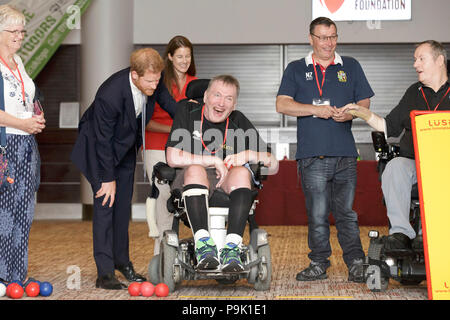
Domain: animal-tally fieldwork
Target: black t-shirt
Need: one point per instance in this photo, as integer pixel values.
(185, 133)
(399, 119)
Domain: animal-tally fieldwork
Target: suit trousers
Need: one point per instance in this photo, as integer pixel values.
(110, 225)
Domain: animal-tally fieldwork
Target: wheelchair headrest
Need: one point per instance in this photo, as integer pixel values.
(196, 88)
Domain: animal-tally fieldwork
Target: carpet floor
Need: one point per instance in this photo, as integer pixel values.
(61, 252)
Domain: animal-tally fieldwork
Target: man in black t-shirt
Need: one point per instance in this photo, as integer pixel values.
(431, 92)
(212, 143)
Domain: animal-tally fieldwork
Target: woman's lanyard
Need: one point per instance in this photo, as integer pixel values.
(201, 134)
(317, 79)
(425, 98)
(19, 80)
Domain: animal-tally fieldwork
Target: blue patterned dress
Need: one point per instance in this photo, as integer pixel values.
(17, 206)
(18, 201)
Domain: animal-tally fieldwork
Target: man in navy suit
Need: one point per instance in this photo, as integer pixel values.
(105, 152)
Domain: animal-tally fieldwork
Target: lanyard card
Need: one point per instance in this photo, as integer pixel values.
(320, 102)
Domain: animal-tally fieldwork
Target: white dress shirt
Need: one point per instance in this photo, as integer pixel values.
(139, 98)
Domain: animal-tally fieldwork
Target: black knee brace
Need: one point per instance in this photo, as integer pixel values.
(195, 198)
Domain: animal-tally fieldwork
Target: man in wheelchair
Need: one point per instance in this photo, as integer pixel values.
(212, 145)
(431, 92)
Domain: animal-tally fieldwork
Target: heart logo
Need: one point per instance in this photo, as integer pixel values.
(332, 5)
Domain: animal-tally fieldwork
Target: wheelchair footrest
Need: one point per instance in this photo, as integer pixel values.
(399, 252)
(252, 264)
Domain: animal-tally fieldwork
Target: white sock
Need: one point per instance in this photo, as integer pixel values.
(202, 233)
(233, 238)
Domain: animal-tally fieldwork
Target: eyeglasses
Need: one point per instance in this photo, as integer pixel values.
(17, 32)
(326, 39)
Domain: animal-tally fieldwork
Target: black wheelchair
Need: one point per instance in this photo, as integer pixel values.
(406, 266)
(177, 261)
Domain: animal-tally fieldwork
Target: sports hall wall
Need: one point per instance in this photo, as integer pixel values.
(254, 40)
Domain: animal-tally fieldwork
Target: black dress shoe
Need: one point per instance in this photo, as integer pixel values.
(129, 273)
(109, 282)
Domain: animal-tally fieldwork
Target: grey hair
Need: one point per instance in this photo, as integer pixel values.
(228, 80)
(437, 49)
(10, 16)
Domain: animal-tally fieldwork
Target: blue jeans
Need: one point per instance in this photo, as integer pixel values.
(329, 185)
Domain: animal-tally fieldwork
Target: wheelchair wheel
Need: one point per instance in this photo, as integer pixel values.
(375, 280)
(167, 272)
(264, 276)
(153, 270)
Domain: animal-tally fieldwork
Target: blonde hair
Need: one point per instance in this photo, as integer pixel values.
(10, 16)
(145, 59)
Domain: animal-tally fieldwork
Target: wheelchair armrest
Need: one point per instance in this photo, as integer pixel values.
(379, 142)
(257, 176)
(385, 150)
(163, 172)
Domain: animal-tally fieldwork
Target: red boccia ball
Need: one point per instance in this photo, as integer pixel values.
(134, 289)
(161, 290)
(147, 289)
(8, 288)
(15, 291)
(32, 289)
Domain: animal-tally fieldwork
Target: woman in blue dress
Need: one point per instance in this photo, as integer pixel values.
(21, 123)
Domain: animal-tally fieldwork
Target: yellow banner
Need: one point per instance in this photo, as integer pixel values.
(432, 148)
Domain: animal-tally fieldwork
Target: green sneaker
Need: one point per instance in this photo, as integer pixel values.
(206, 253)
(230, 258)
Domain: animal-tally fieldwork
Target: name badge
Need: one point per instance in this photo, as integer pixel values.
(321, 102)
(24, 114)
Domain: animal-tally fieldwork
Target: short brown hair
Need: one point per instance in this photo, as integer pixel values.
(437, 48)
(321, 21)
(226, 79)
(145, 59)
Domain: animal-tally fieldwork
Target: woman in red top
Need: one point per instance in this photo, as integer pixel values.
(179, 71)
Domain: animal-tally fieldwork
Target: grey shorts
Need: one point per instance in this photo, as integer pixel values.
(178, 183)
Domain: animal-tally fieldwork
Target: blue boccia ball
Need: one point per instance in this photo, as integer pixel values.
(45, 289)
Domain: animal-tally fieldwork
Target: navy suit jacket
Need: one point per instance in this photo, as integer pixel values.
(108, 131)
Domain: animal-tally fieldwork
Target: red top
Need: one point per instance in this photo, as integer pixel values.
(157, 140)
